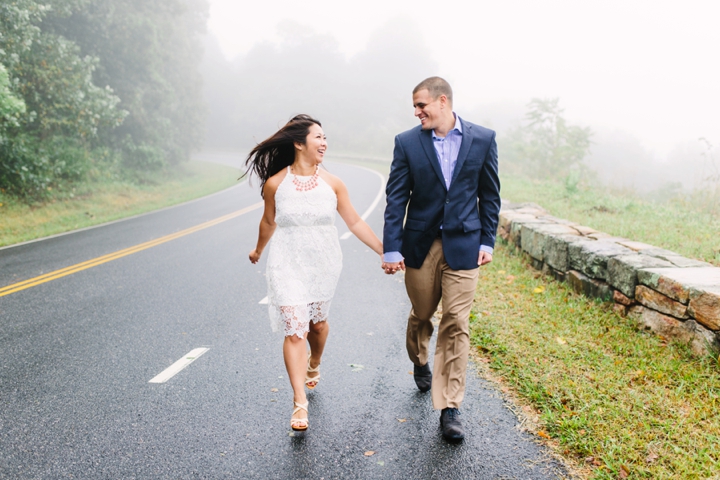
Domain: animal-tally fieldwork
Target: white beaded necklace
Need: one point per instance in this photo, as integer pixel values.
(305, 185)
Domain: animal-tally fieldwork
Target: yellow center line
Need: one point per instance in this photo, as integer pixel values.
(32, 282)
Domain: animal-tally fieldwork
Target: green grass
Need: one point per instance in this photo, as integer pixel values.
(97, 203)
(688, 226)
(615, 400)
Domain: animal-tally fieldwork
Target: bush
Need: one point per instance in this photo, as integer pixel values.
(31, 169)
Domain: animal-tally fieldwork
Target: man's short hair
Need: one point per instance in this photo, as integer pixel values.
(435, 86)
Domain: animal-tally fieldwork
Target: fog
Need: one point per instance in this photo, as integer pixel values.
(643, 75)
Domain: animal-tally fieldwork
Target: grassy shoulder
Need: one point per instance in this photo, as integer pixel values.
(619, 402)
(687, 227)
(98, 203)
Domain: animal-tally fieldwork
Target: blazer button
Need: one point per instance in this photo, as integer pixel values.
(447, 200)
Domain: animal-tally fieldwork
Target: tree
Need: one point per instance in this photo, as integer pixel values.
(48, 141)
(86, 79)
(11, 107)
(546, 144)
(149, 53)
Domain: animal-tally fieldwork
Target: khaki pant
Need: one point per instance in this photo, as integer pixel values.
(425, 287)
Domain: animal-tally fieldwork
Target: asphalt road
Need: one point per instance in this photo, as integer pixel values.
(78, 354)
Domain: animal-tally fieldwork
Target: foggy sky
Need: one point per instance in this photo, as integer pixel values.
(648, 68)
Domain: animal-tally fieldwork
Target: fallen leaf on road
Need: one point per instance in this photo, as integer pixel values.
(369, 453)
(273, 389)
(402, 420)
(543, 434)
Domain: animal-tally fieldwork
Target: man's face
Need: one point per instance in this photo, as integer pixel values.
(427, 109)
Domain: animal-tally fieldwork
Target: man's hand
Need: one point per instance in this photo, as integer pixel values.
(484, 258)
(391, 268)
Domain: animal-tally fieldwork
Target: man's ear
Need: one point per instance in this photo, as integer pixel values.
(443, 100)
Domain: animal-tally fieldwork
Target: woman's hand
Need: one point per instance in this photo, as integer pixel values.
(254, 256)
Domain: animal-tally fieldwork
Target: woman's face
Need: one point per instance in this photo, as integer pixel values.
(315, 144)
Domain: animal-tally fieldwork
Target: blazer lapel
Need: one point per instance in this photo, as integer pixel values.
(467, 138)
(427, 143)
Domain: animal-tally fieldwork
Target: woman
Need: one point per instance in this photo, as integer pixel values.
(304, 260)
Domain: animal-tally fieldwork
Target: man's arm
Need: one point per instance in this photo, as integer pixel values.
(489, 202)
(397, 193)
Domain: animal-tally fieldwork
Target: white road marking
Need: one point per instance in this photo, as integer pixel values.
(176, 367)
(372, 206)
(264, 301)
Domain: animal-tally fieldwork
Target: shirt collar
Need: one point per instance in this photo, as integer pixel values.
(457, 128)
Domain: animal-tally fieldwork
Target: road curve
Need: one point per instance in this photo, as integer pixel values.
(80, 351)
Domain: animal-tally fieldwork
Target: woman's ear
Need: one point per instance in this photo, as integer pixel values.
(298, 146)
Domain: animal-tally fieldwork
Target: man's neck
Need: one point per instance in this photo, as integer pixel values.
(447, 125)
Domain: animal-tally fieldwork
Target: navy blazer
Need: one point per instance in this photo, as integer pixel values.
(468, 211)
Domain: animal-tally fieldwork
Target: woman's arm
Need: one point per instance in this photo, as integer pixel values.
(267, 222)
(353, 221)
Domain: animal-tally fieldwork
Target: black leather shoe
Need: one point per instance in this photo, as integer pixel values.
(452, 429)
(423, 377)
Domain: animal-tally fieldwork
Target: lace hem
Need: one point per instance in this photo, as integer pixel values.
(295, 319)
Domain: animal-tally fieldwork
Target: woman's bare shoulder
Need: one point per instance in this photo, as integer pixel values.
(274, 182)
(331, 179)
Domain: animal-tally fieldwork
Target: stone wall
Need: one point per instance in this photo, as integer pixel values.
(674, 296)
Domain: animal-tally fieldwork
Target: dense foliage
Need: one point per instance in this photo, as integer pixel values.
(96, 85)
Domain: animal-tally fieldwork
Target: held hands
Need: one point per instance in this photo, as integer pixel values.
(392, 268)
(484, 258)
(254, 256)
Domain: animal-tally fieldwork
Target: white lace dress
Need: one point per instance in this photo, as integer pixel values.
(304, 261)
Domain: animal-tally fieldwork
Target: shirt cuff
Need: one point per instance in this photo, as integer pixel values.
(485, 248)
(392, 257)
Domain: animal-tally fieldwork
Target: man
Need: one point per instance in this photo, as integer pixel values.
(444, 174)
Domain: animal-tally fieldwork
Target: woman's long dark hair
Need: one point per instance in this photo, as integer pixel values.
(277, 152)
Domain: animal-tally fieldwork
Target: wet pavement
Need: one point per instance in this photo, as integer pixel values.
(79, 352)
